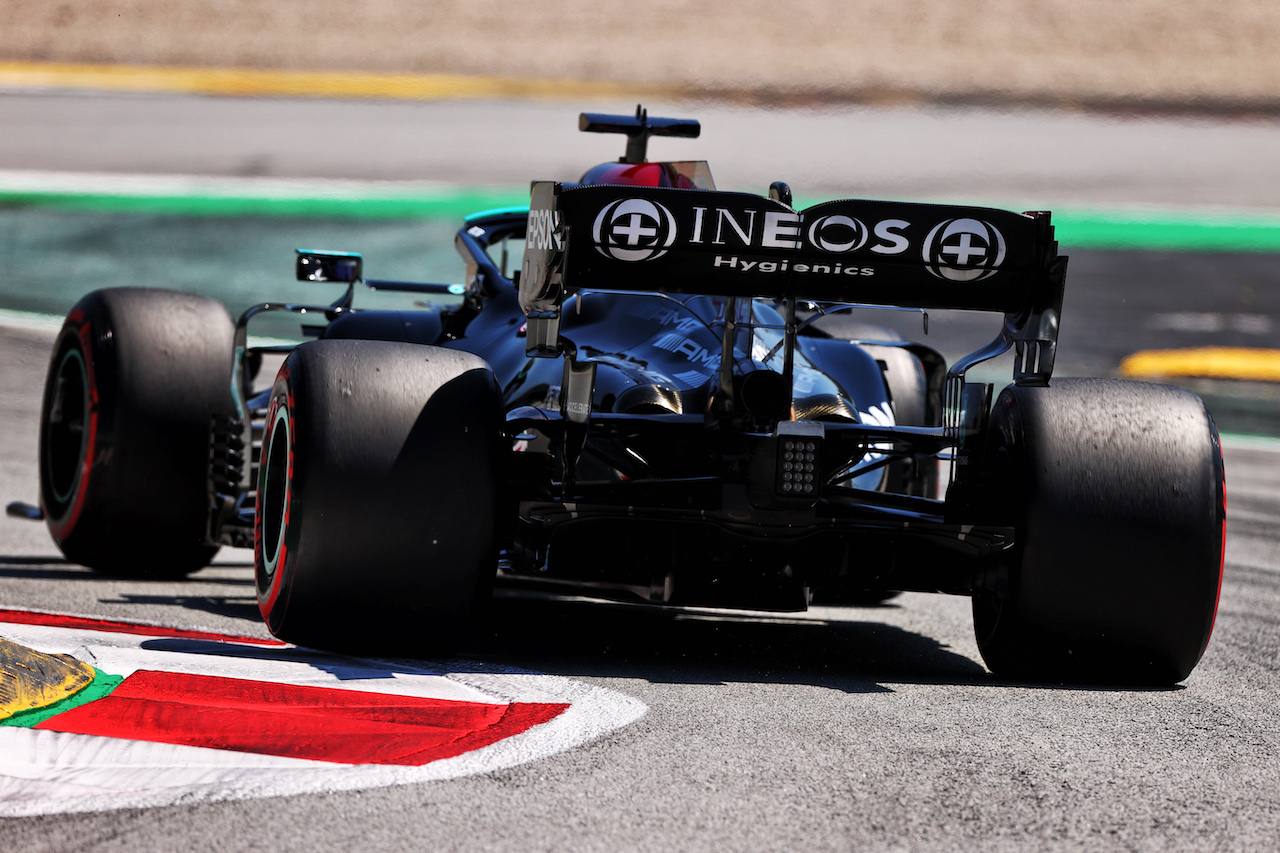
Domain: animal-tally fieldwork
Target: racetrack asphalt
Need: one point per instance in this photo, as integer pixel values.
(1037, 157)
(866, 728)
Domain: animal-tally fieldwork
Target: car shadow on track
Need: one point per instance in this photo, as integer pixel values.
(859, 653)
(205, 592)
(235, 606)
(41, 568)
(678, 646)
(59, 568)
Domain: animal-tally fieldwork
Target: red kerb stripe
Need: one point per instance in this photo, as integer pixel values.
(60, 620)
(317, 723)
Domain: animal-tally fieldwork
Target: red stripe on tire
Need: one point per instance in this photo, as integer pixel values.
(62, 528)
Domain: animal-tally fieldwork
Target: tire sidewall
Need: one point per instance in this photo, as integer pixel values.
(275, 543)
(61, 513)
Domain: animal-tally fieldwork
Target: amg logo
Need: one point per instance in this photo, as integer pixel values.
(735, 263)
(542, 234)
(666, 316)
(692, 351)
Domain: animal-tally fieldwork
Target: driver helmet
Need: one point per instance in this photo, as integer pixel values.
(637, 175)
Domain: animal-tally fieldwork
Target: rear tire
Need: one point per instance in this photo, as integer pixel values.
(136, 379)
(377, 500)
(1116, 492)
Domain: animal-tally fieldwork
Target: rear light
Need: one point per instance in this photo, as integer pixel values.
(798, 462)
(798, 467)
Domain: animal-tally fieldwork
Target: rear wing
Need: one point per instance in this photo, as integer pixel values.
(853, 251)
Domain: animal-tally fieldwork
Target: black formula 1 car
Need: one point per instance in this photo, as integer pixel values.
(635, 398)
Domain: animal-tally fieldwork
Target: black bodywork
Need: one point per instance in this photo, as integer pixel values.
(682, 431)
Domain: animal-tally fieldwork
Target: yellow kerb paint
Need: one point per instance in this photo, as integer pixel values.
(315, 84)
(1259, 365)
(30, 679)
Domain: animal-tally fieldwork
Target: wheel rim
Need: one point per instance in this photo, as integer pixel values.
(66, 428)
(275, 491)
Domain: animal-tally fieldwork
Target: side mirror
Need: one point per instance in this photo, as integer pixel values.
(341, 267)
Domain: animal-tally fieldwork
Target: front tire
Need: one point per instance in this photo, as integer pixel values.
(377, 498)
(1116, 492)
(136, 379)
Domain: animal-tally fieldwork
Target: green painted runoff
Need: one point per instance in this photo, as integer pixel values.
(1091, 229)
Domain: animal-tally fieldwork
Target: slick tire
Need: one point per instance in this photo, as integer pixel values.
(136, 379)
(1116, 492)
(377, 498)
